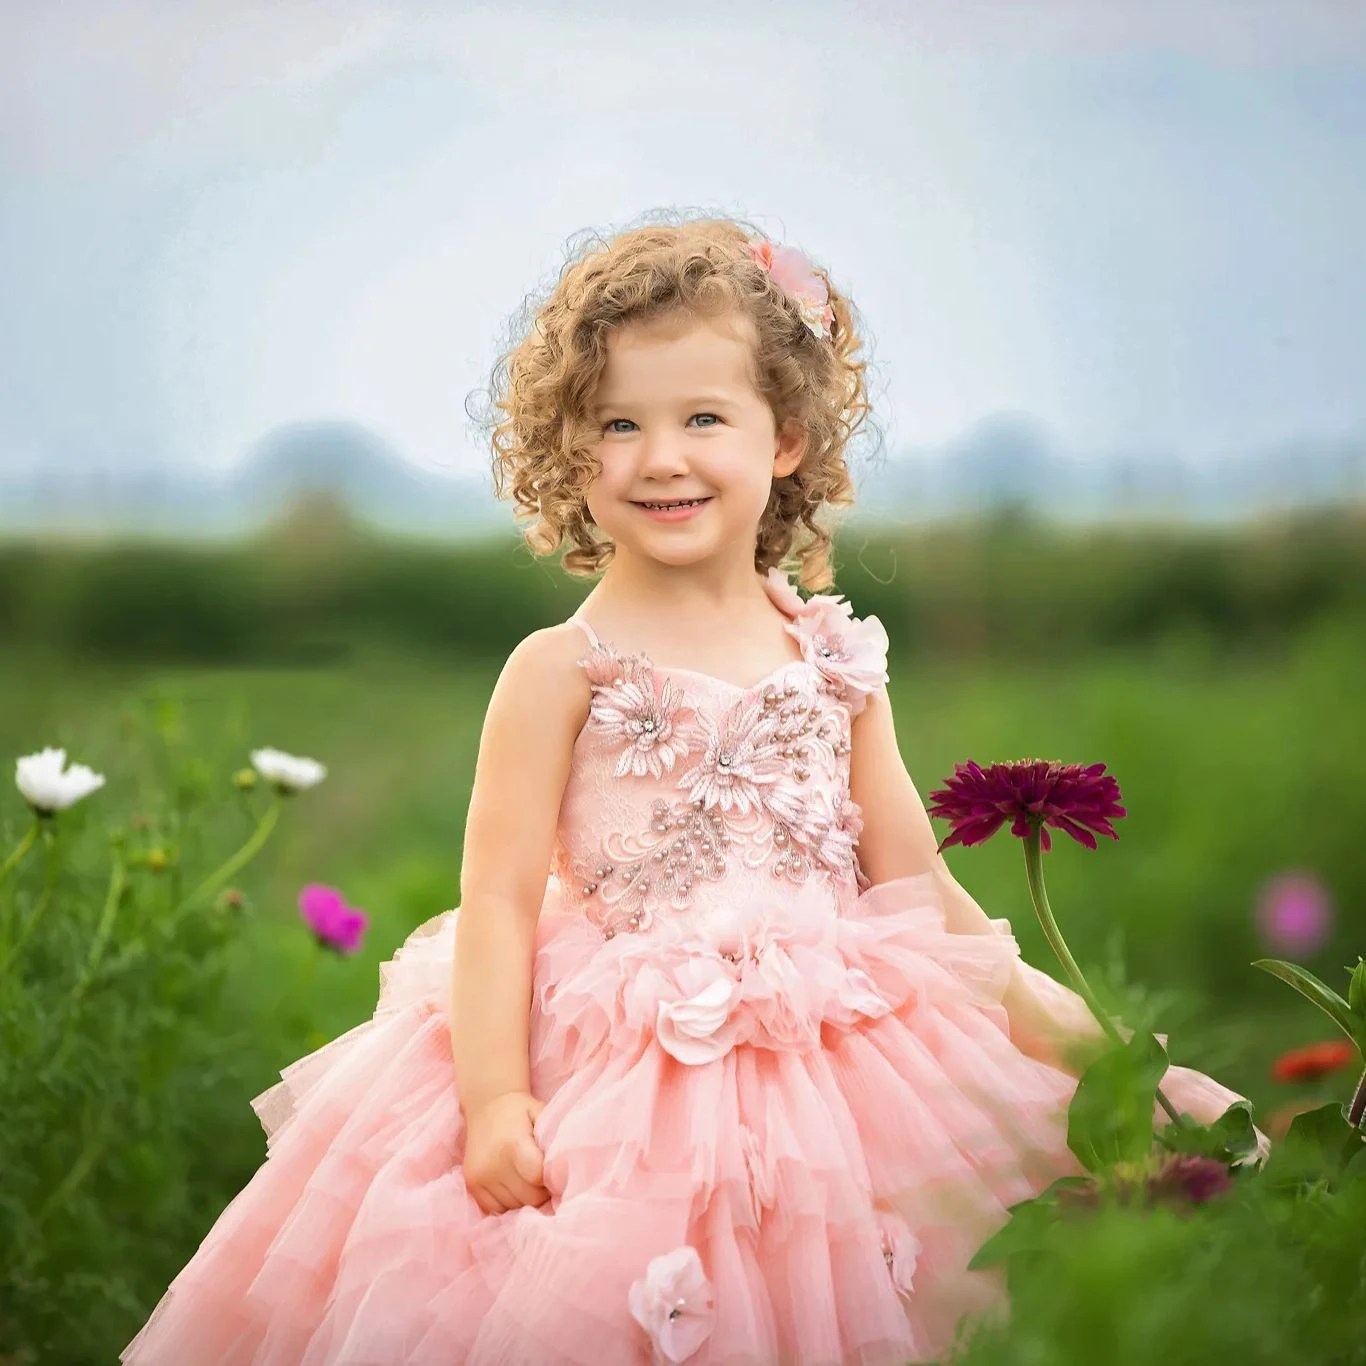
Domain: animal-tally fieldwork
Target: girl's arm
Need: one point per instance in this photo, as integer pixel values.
(537, 708)
(897, 839)
(1047, 1019)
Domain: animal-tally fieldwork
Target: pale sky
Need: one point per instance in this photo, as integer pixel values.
(1139, 221)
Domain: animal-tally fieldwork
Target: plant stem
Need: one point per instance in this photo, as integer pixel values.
(50, 881)
(21, 849)
(1357, 1110)
(1039, 895)
(37, 914)
(91, 1148)
(117, 882)
(243, 856)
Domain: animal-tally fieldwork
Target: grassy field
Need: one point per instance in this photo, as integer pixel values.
(1231, 774)
(1236, 763)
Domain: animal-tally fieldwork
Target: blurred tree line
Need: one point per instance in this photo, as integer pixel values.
(317, 586)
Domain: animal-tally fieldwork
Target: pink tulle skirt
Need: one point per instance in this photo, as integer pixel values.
(828, 1109)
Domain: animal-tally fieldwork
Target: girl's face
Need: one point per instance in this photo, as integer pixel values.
(678, 419)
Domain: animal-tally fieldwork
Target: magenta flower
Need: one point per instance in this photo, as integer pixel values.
(336, 925)
(1031, 794)
(1294, 914)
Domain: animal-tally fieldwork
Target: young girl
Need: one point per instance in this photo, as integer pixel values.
(716, 1062)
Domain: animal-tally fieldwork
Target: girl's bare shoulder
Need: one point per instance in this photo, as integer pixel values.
(543, 677)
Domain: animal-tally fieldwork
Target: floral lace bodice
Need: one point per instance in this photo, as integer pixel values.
(688, 793)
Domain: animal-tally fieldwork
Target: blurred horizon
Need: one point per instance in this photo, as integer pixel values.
(1121, 244)
(1005, 461)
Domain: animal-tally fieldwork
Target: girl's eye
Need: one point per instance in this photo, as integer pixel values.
(612, 421)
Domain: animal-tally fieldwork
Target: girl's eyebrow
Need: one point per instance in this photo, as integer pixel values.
(718, 400)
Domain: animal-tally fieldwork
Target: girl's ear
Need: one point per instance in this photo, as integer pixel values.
(791, 447)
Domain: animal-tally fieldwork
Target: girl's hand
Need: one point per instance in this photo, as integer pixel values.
(503, 1165)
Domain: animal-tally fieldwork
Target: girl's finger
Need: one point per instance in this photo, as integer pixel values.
(504, 1194)
(488, 1199)
(528, 1162)
(525, 1192)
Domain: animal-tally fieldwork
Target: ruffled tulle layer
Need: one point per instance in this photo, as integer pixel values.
(828, 1109)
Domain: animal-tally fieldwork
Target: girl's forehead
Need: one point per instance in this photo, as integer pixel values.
(679, 355)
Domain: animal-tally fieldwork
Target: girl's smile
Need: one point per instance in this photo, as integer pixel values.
(673, 510)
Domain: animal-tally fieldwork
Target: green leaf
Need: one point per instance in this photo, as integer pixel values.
(1027, 1228)
(1322, 1130)
(1318, 1144)
(1110, 1118)
(1355, 1167)
(1356, 992)
(1230, 1138)
(1322, 996)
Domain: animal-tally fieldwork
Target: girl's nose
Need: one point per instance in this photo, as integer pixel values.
(662, 455)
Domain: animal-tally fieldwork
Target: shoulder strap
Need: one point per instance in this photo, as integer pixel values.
(587, 630)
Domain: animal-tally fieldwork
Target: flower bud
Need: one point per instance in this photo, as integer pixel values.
(245, 779)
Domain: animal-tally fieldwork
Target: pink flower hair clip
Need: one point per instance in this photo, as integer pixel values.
(800, 281)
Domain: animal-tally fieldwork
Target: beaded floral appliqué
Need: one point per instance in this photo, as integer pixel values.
(741, 773)
(647, 720)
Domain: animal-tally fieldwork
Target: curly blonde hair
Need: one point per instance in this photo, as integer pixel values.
(543, 385)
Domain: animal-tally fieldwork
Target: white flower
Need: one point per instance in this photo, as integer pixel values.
(674, 1304)
(286, 771)
(46, 787)
(693, 1029)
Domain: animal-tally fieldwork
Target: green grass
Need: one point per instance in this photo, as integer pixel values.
(1233, 769)
(1231, 773)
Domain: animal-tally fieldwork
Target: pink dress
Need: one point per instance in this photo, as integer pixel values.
(784, 1108)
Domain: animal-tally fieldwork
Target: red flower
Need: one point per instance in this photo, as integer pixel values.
(1031, 794)
(1314, 1060)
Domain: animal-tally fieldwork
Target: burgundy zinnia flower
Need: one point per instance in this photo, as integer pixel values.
(1314, 1060)
(1030, 793)
(1189, 1179)
(336, 925)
